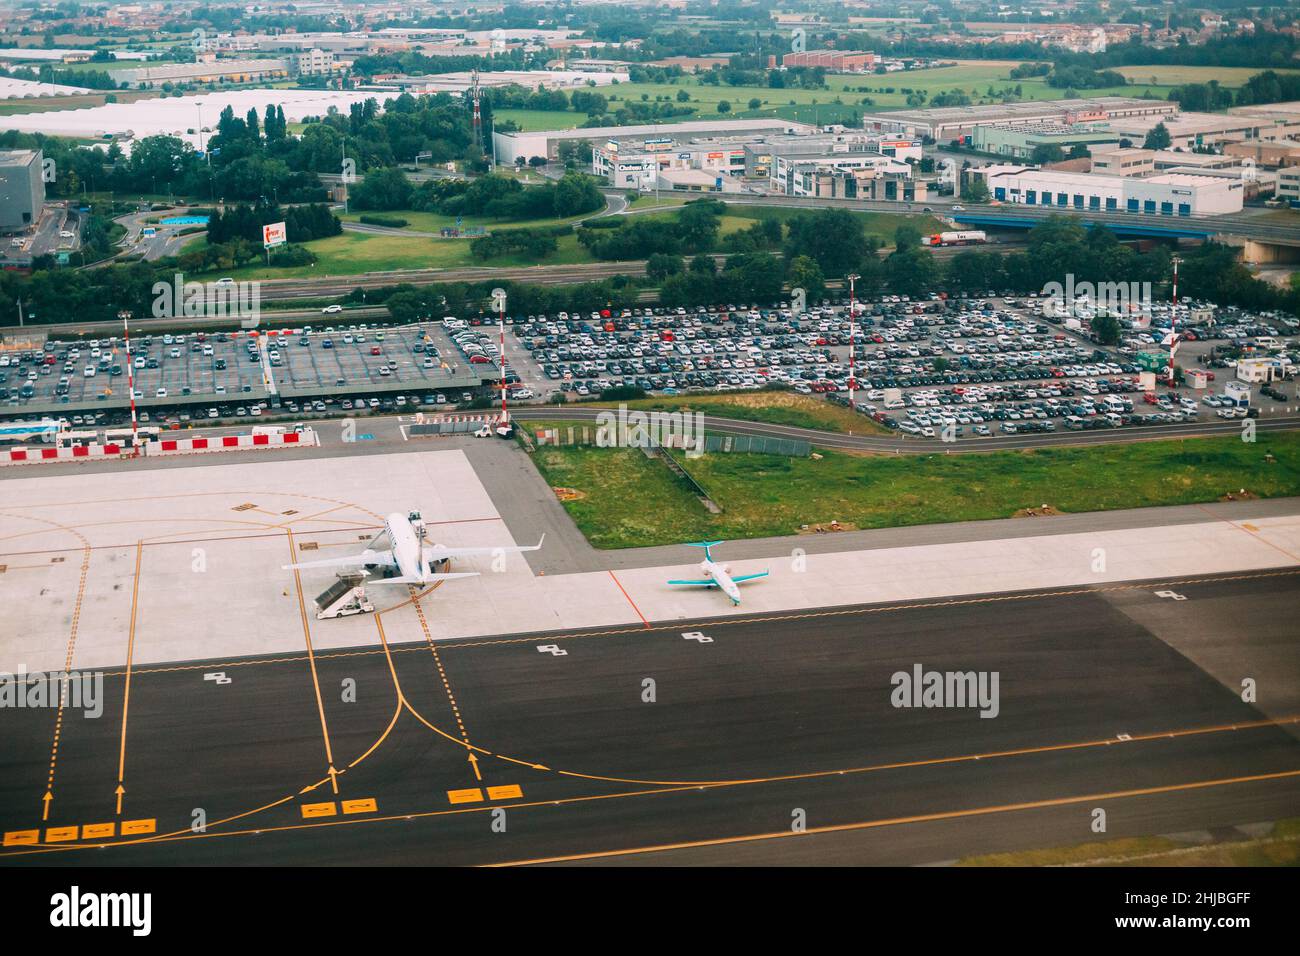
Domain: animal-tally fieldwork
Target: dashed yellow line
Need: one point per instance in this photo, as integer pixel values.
(48, 797)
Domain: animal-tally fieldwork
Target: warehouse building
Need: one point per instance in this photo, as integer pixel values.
(1020, 140)
(213, 71)
(947, 123)
(1165, 194)
(847, 176)
(511, 146)
(22, 188)
(1128, 161)
(833, 61)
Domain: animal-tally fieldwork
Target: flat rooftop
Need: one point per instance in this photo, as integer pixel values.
(666, 130)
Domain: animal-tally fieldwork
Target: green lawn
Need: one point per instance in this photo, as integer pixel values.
(354, 253)
(432, 221)
(764, 495)
(533, 120)
(844, 93)
(879, 224)
(772, 407)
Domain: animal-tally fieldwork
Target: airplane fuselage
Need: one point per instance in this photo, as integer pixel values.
(722, 578)
(407, 552)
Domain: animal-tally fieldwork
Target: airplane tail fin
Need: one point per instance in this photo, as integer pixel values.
(706, 545)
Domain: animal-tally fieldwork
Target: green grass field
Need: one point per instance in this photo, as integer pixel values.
(432, 221)
(844, 93)
(763, 495)
(354, 253)
(1279, 848)
(773, 407)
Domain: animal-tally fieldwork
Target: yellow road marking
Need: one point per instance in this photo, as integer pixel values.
(130, 657)
(508, 792)
(95, 830)
(367, 805)
(315, 679)
(473, 795)
(318, 810)
(61, 834)
(22, 837)
(136, 827)
(918, 818)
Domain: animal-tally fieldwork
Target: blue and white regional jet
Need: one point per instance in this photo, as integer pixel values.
(717, 575)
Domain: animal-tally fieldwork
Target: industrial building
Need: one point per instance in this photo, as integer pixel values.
(833, 61)
(1020, 140)
(1125, 161)
(946, 123)
(212, 71)
(629, 139)
(1165, 194)
(22, 188)
(847, 176)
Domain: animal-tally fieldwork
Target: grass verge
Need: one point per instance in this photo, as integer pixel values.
(625, 505)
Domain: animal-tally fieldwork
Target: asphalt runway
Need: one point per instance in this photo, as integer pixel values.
(1103, 701)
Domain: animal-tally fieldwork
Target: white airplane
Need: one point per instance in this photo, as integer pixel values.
(408, 554)
(716, 575)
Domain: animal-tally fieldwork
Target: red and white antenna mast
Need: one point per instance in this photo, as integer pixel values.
(1173, 323)
(475, 93)
(853, 340)
(499, 302)
(125, 316)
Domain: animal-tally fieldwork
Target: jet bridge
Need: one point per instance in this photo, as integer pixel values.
(345, 597)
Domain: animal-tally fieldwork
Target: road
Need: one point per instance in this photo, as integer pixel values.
(645, 746)
(874, 441)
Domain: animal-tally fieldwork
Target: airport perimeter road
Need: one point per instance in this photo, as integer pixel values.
(697, 741)
(874, 441)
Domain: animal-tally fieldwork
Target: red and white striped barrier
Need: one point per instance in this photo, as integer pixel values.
(34, 456)
(188, 446)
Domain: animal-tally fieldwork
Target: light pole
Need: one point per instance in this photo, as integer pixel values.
(1173, 322)
(853, 338)
(125, 316)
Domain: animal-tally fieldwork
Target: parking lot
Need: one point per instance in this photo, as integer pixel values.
(978, 366)
(308, 370)
(968, 366)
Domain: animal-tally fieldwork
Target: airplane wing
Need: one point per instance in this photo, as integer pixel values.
(429, 579)
(438, 552)
(750, 577)
(703, 582)
(382, 558)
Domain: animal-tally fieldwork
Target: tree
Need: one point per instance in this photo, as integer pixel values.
(806, 274)
(661, 265)
(383, 189)
(1157, 138)
(834, 238)
(1105, 328)
(724, 107)
(906, 236)
(755, 103)
(975, 191)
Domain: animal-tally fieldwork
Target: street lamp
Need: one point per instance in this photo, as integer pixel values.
(125, 316)
(853, 340)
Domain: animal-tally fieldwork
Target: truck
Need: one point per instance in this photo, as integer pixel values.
(968, 237)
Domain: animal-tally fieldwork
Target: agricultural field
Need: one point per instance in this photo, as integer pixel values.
(844, 93)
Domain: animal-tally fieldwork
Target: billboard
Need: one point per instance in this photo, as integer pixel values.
(274, 234)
